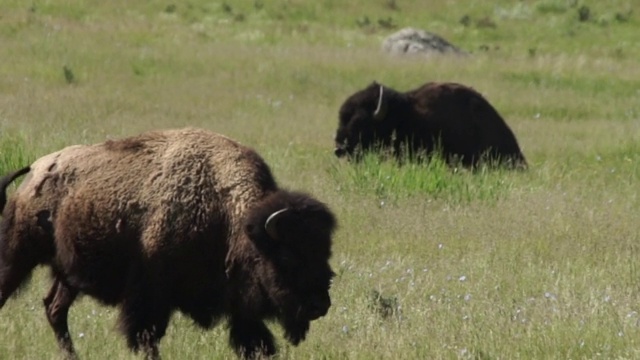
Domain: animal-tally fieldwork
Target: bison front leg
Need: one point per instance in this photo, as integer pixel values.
(251, 339)
(57, 304)
(296, 331)
(144, 319)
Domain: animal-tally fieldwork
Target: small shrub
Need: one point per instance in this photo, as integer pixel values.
(486, 22)
(69, 77)
(623, 16)
(551, 7)
(386, 307)
(387, 23)
(392, 5)
(584, 13)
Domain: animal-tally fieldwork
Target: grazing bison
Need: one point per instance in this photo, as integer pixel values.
(448, 117)
(183, 220)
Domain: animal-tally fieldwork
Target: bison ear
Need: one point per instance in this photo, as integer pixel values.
(381, 109)
(271, 225)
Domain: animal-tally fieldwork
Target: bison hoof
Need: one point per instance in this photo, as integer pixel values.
(296, 334)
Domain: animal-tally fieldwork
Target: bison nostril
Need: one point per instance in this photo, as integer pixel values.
(339, 151)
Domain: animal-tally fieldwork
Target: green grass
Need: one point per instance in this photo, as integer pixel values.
(434, 180)
(15, 152)
(489, 265)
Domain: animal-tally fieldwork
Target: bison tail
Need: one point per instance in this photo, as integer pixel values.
(8, 179)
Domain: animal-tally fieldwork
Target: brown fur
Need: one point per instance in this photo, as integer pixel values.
(170, 220)
(447, 117)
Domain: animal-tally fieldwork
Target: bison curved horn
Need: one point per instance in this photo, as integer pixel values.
(8, 179)
(272, 221)
(381, 109)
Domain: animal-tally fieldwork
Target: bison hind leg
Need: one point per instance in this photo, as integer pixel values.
(57, 304)
(251, 339)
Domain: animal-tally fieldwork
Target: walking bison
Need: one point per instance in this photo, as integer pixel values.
(448, 117)
(184, 220)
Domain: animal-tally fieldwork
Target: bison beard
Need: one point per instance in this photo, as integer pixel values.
(450, 118)
(183, 220)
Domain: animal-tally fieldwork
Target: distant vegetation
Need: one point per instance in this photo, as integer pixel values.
(431, 263)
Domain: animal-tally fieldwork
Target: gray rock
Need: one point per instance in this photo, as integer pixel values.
(410, 41)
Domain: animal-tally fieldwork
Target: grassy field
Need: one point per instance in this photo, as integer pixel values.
(431, 264)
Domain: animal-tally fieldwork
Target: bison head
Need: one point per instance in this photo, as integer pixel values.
(292, 232)
(363, 120)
